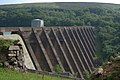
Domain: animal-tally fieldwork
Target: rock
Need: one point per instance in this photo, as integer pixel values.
(17, 68)
(19, 58)
(13, 59)
(10, 67)
(100, 71)
(15, 63)
(20, 63)
(18, 54)
(12, 55)
(6, 64)
(1, 64)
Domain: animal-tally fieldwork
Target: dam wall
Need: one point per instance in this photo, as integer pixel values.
(72, 48)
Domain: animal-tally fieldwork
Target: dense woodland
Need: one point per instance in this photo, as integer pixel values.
(104, 17)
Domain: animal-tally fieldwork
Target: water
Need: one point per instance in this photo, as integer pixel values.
(6, 33)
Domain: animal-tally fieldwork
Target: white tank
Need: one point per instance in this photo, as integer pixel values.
(37, 23)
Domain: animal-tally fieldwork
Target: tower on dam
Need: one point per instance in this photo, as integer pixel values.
(72, 48)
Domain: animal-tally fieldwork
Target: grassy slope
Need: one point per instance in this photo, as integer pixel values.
(86, 4)
(7, 74)
(74, 5)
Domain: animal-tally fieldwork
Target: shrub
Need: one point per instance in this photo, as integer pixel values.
(57, 68)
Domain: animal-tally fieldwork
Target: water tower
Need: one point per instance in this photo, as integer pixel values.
(37, 23)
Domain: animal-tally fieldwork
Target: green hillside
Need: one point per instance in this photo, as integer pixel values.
(42, 5)
(77, 5)
(72, 5)
(111, 70)
(60, 14)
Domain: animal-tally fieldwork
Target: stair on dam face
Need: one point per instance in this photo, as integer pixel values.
(72, 48)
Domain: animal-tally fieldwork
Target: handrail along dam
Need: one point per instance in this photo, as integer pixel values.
(72, 48)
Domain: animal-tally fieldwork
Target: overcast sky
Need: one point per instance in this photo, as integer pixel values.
(31, 1)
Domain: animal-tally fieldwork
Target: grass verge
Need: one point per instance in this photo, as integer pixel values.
(7, 74)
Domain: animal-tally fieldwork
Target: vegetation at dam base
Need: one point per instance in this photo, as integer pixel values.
(4, 44)
(111, 70)
(7, 74)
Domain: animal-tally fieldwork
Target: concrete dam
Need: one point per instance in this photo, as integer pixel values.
(72, 48)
